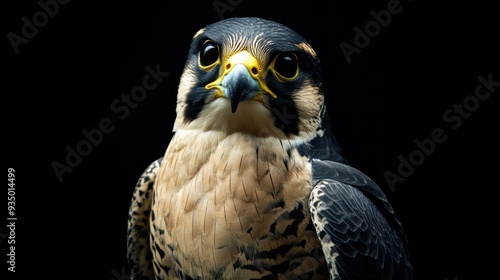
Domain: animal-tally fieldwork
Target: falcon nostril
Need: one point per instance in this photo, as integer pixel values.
(228, 65)
(254, 70)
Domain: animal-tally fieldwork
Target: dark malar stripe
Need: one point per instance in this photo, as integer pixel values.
(195, 102)
(197, 97)
(285, 114)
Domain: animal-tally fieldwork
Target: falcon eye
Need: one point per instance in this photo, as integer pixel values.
(209, 54)
(286, 65)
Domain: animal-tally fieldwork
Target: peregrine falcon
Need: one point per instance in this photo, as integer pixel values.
(253, 185)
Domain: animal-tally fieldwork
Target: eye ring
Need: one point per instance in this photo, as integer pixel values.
(209, 55)
(286, 66)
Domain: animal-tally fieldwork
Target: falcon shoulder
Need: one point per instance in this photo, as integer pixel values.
(360, 234)
(138, 233)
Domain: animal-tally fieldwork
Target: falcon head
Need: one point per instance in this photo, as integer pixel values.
(254, 76)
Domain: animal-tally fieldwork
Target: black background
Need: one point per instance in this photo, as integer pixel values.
(396, 90)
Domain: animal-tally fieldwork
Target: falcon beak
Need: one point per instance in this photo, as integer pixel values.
(241, 80)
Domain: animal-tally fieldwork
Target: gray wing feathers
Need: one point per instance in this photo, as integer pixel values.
(326, 169)
(138, 250)
(356, 236)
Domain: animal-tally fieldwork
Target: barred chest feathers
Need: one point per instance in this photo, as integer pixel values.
(232, 205)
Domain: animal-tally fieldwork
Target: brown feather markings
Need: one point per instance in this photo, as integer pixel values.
(224, 199)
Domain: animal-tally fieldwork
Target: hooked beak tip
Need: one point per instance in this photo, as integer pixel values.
(234, 106)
